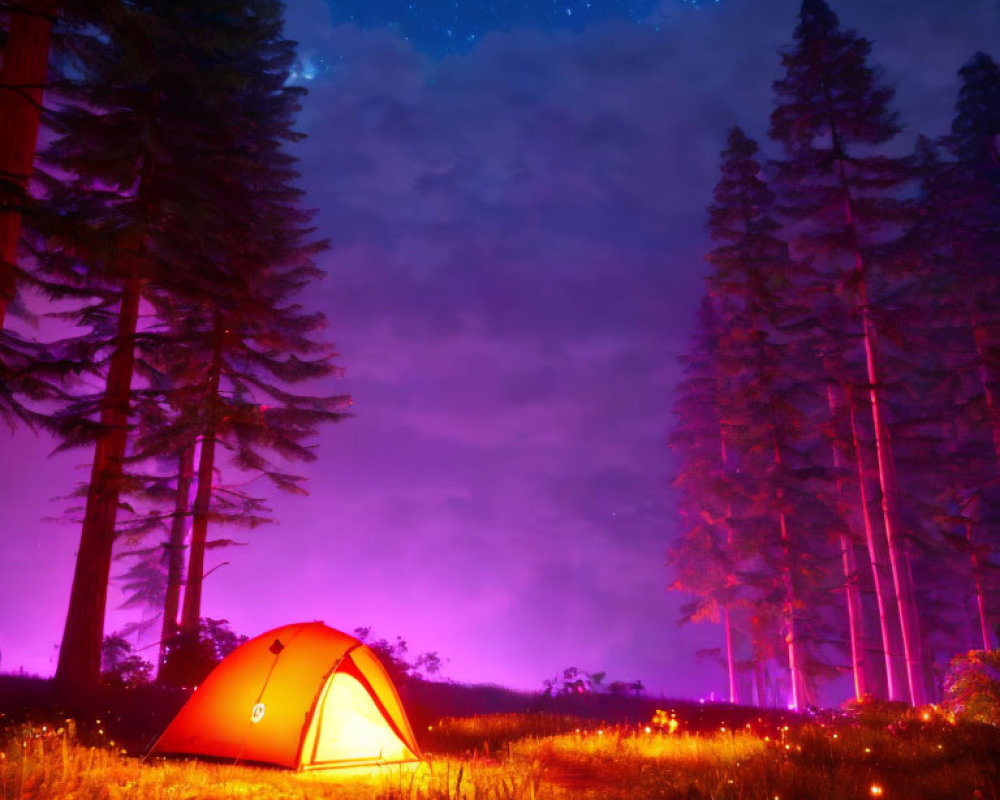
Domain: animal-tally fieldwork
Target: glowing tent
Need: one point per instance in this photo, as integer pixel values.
(302, 696)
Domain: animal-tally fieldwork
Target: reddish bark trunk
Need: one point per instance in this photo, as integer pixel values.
(22, 77)
(977, 576)
(175, 549)
(898, 556)
(796, 677)
(734, 696)
(979, 336)
(80, 653)
(760, 683)
(878, 555)
(855, 615)
(191, 613)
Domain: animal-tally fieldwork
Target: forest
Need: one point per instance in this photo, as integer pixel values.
(836, 438)
(838, 425)
(837, 429)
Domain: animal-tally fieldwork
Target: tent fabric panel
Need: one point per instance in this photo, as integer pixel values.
(373, 671)
(351, 728)
(209, 723)
(309, 740)
(290, 693)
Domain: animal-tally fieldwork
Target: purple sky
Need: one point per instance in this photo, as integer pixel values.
(517, 239)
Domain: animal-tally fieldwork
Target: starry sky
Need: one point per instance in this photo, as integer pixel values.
(447, 26)
(516, 211)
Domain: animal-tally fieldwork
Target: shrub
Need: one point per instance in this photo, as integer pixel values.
(121, 666)
(972, 686)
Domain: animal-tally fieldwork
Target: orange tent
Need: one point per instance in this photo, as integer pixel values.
(302, 696)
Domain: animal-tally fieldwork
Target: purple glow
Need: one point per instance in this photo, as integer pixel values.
(517, 236)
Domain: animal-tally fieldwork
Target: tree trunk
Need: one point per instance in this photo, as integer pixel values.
(796, 678)
(980, 338)
(734, 696)
(898, 556)
(175, 549)
(878, 555)
(80, 653)
(191, 613)
(760, 683)
(977, 576)
(855, 615)
(22, 77)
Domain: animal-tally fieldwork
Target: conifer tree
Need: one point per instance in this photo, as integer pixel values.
(766, 386)
(237, 339)
(23, 76)
(975, 145)
(756, 471)
(703, 557)
(180, 197)
(954, 243)
(831, 117)
(116, 128)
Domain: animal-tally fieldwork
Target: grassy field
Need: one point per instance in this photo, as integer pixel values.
(537, 756)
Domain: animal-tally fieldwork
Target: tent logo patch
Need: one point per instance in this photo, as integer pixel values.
(258, 713)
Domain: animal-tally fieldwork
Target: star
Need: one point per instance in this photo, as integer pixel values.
(443, 27)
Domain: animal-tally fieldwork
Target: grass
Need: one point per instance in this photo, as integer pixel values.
(551, 757)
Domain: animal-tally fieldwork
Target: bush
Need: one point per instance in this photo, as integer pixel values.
(121, 666)
(189, 659)
(972, 686)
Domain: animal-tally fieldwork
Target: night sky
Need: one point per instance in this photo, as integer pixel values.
(515, 194)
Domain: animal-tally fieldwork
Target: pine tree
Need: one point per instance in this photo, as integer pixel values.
(180, 196)
(114, 134)
(703, 557)
(768, 390)
(23, 76)
(954, 243)
(236, 336)
(754, 527)
(831, 117)
(975, 145)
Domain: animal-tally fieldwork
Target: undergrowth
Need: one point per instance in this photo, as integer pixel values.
(538, 757)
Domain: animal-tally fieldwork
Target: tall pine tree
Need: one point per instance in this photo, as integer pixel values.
(831, 118)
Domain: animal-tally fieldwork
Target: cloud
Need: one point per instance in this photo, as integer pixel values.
(516, 242)
(517, 238)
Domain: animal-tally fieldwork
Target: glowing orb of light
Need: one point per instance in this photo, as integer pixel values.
(258, 713)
